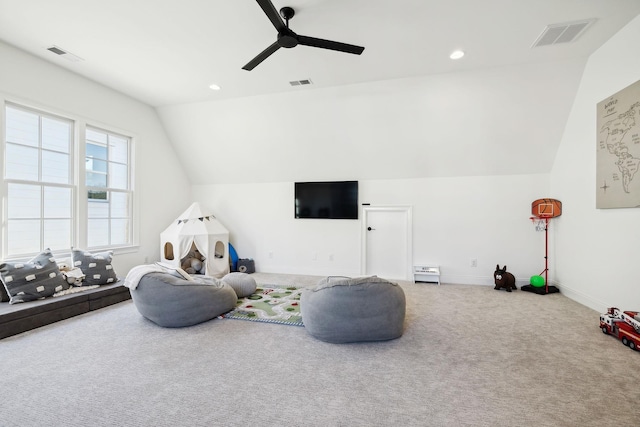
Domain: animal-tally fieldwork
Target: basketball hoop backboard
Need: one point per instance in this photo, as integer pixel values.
(546, 208)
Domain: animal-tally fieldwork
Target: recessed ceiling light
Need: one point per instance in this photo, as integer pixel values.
(214, 87)
(456, 54)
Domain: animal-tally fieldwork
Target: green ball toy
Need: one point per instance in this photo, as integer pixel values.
(537, 281)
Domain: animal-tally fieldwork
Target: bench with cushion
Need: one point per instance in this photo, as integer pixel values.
(22, 317)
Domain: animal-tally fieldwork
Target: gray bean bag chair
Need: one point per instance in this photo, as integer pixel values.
(175, 302)
(341, 310)
(242, 283)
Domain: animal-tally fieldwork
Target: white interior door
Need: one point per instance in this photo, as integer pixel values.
(387, 242)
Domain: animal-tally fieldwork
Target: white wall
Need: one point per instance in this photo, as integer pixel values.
(466, 150)
(454, 220)
(597, 249)
(497, 121)
(161, 185)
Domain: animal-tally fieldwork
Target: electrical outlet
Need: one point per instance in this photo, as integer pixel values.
(474, 262)
(270, 255)
(330, 257)
(314, 257)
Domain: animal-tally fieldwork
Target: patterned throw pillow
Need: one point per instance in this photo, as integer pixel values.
(4, 296)
(96, 267)
(38, 278)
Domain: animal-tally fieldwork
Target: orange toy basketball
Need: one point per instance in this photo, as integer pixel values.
(546, 208)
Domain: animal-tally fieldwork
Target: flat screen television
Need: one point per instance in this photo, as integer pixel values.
(332, 200)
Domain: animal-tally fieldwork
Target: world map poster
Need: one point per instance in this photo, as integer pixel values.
(618, 150)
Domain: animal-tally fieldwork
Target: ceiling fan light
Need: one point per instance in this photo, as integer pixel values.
(456, 54)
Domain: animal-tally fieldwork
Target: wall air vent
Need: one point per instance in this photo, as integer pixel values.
(56, 50)
(562, 33)
(63, 53)
(300, 82)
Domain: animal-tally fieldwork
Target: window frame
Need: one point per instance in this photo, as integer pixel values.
(108, 188)
(38, 182)
(79, 221)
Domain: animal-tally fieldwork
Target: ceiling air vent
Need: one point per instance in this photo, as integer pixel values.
(63, 53)
(300, 82)
(562, 33)
(56, 50)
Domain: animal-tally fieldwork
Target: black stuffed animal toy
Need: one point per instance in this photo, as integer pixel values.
(504, 279)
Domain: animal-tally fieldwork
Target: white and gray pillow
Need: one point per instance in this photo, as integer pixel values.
(175, 271)
(96, 267)
(37, 278)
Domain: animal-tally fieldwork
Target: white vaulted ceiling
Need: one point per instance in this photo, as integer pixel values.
(402, 109)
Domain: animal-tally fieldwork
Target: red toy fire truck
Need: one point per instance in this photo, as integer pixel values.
(624, 325)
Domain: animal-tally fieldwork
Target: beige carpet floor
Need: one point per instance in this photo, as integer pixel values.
(469, 356)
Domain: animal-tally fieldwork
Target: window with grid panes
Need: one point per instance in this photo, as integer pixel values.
(108, 186)
(38, 175)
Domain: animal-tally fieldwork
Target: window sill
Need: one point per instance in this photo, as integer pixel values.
(117, 250)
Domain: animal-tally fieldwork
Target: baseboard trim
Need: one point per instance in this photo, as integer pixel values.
(575, 295)
(478, 280)
(582, 298)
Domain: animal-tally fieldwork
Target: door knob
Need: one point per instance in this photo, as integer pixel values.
(369, 228)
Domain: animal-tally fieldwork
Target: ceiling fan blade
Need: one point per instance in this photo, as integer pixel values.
(328, 44)
(273, 15)
(261, 57)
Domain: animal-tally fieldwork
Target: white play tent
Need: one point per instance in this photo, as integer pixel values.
(197, 229)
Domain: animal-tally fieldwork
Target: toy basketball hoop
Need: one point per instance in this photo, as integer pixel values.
(546, 208)
(543, 210)
(539, 223)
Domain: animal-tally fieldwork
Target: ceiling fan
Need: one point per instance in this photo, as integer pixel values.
(288, 39)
